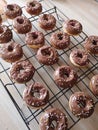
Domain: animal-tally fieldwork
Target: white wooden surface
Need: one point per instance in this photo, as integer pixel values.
(86, 11)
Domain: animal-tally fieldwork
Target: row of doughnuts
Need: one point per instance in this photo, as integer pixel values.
(80, 104)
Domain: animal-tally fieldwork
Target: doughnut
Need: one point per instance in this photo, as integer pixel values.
(11, 52)
(22, 71)
(91, 44)
(47, 55)
(60, 40)
(51, 116)
(47, 21)
(5, 34)
(33, 7)
(94, 84)
(65, 76)
(79, 58)
(81, 104)
(35, 39)
(36, 95)
(22, 25)
(72, 27)
(12, 11)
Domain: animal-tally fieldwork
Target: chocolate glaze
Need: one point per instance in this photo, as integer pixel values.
(91, 44)
(11, 52)
(73, 27)
(22, 25)
(35, 38)
(12, 11)
(47, 21)
(65, 76)
(81, 104)
(53, 114)
(47, 55)
(22, 71)
(34, 7)
(31, 99)
(60, 40)
(5, 34)
(80, 57)
(94, 84)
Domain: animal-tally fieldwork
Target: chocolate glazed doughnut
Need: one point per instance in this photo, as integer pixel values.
(5, 34)
(81, 104)
(91, 44)
(36, 95)
(47, 21)
(53, 114)
(35, 39)
(94, 84)
(79, 58)
(65, 76)
(34, 7)
(12, 11)
(22, 25)
(47, 55)
(60, 40)
(72, 27)
(22, 71)
(11, 52)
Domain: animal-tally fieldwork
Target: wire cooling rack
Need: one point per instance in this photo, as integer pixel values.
(58, 97)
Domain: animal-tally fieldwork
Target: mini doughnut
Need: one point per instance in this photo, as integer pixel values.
(35, 39)
(91, 44)
(65, 76)
(81, 104)
(47, 21)
(5, 34)
(34, 7)
(22, 25)
(11, 52)
(94, 84)
(22, 71)
(12, 11)
(36, 95)
(79, 58)
(72, 27)
(47, 55)
(60, 40)
(53, 114)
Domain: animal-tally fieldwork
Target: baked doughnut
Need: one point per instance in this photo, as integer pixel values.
(22, 71)
(51, 115)
(94, 84)
(47, 55)
(22, 25)
(34, 7)
(81, 104)
(72, 27)
(12, 11)
(5, 34)
(91, 44)
(36, 95)
(11, 52)
(60, 40)
(79, 58)
(65, 76)
(47, 21)
(35, 39)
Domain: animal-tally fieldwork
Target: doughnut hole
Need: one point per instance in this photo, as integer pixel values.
(60, 36)
(34, 35)
(36, 94)
(64, 73)
(94, 42)
(53, 123)
(80, 55)
(32, 4)
(10, 48)
(20, 21)
(10, 7)
(1, 30)
(45, 17)
(81, 102)
(45, 52)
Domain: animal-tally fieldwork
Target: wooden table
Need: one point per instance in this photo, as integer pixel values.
(86, 11)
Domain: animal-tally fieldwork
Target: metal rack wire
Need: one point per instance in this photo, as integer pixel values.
(58, 97)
